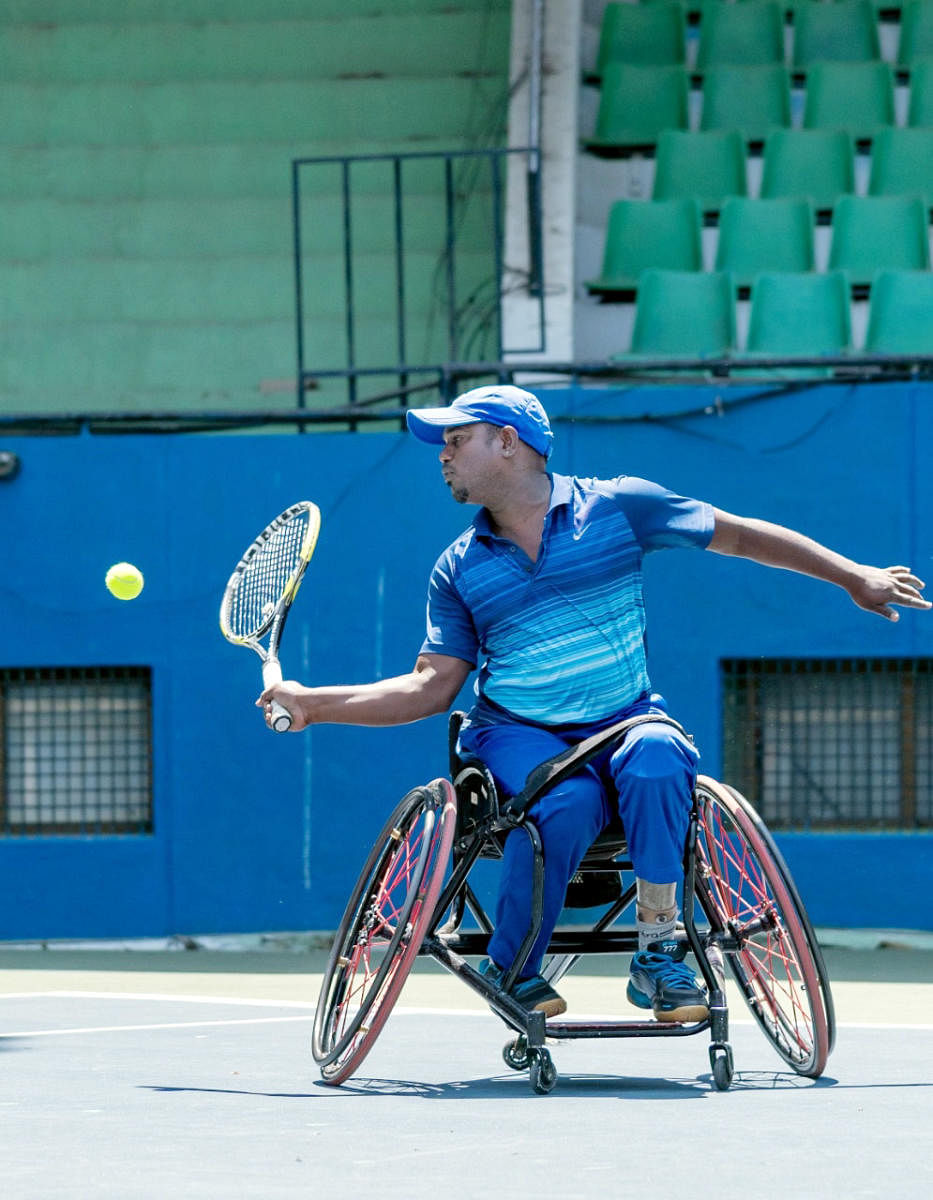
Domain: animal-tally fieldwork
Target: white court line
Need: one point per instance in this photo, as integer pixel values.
(399, 1010)
(883, 1025)
(161, 996)
(28, 1033)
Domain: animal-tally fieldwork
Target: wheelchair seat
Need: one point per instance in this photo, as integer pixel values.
(478, 799)
(597, 880)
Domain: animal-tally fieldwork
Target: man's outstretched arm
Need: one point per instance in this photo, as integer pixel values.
(430, 687)
(876, 589)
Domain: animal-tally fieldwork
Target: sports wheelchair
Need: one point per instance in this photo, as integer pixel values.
(739, 907)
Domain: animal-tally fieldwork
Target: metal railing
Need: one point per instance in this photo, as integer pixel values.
(469, 236)
(716, 378)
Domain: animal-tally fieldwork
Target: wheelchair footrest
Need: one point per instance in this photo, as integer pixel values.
(569, 1030)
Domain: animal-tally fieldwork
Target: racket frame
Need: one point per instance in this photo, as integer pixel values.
(274, 621)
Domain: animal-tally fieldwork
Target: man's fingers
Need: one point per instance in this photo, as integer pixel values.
(907, 575)
(907, 588)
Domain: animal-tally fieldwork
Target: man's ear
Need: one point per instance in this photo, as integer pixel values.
(509, 440)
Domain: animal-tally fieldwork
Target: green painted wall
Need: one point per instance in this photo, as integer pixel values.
(145, 187)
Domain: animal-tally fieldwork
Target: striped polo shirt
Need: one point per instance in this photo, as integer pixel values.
(561, 640)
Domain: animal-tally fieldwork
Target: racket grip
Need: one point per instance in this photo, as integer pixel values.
(281, 720)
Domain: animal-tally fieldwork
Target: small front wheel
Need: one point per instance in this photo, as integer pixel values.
(515, 1054)
(542, 1073)
(720, 1059)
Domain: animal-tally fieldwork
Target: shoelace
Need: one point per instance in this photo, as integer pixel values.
(672, 972)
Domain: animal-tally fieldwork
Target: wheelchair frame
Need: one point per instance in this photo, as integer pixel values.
(406, 902)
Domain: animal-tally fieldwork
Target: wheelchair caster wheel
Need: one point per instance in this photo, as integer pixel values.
(720, 1059)
(515, 1054)
(542, 1073)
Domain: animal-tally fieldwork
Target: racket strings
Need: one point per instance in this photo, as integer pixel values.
(265, 575)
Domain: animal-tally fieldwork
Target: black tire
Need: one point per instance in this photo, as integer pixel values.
(542, 1073)
(720, 1059)
(746, 891)
(389, 913)
(515, 1053)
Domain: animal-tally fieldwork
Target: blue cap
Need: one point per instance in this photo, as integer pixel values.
(499, 404)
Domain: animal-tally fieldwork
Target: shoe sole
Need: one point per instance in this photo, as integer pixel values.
(552, 1008)
(686, 1013)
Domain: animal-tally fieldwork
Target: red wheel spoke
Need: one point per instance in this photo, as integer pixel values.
(770, 946)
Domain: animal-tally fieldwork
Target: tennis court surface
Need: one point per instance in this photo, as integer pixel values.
(139, 1074)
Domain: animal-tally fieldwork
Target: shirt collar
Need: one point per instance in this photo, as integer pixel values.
(561, 493)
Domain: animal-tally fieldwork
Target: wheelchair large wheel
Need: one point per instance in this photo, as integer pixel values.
(747, 893)
(385, 922)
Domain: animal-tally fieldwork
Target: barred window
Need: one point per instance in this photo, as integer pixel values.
(831, 743)
(75, 750)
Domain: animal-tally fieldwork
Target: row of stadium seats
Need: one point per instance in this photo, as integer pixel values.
(636, 103)
(684, 316)
(816, 164)
(754, 32)
(867, 233)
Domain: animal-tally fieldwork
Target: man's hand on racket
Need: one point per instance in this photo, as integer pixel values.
(293, 697)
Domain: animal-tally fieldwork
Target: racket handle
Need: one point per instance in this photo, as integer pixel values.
(271, 675)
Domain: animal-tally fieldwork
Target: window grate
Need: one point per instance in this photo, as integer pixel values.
(75, 750)
(831, 743)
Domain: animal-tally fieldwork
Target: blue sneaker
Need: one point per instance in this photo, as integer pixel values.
(534, 994)
(661, 980)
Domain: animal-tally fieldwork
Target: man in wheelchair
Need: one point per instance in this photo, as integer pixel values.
(543, 594)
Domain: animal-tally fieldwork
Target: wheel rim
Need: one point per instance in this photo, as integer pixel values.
(380, 937)
(743, 889)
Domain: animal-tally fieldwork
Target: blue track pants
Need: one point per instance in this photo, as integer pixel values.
(652, 775)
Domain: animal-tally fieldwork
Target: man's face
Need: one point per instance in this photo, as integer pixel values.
(469, 461)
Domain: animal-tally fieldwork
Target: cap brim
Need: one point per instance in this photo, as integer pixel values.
(428, 424)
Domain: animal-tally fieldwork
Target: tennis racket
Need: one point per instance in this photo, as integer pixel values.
(260, 591)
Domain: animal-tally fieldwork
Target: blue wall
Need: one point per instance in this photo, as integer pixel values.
(257, 832)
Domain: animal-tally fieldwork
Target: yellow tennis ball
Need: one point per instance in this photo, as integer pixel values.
(124, 581)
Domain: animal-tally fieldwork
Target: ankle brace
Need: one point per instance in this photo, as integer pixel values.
(662, 927)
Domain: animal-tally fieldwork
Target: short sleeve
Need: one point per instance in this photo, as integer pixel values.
(450, 628)
(661, 519)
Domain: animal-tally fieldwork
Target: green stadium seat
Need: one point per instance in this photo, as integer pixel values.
(844, 31)
(752, 99)
(800, 314)
(902, 162)
(899, 310)
(648, 233)
(920, 109)
(875, 232)
(750, 33)
(683, 314)
(646, 35)
(636, 104)
(855, 96)
(916, 32)
(709, 165)
(815, 163)
(764, 235)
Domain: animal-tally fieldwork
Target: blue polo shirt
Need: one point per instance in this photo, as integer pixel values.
(561, 640)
